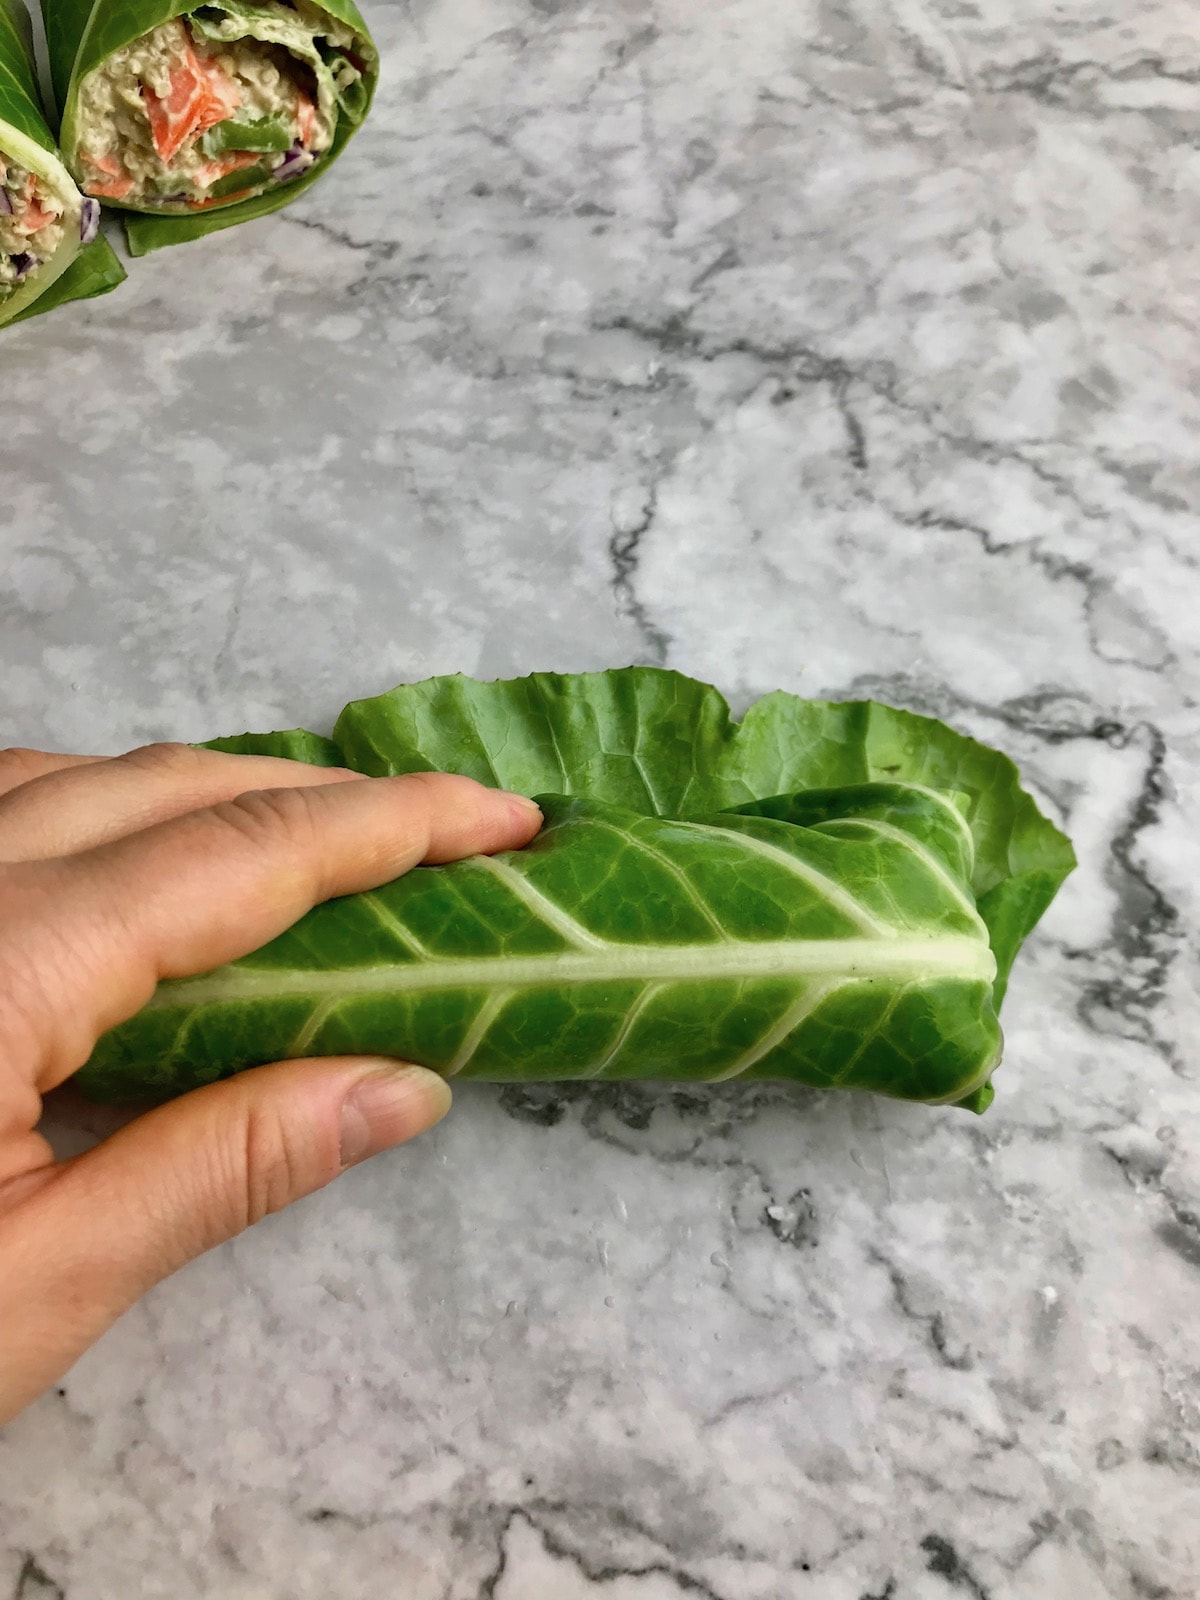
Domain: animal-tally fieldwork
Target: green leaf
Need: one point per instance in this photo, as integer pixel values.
(256, 133)
(245, 178)
(664, 743)
(20, 97)
(94, 271)
(844, 952)
(823, 893)
(292, 744)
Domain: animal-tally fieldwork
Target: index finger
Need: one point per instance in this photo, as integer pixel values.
(89, 803)
(19, 765)
(95, 932)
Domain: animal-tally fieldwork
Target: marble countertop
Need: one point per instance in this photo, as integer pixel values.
(841, 347)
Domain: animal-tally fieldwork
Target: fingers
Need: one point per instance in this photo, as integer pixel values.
(81, 1246)
(95, 932)
(18, 766)
(85, 803)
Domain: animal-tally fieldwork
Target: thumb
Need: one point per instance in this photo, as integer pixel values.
(80, 1242)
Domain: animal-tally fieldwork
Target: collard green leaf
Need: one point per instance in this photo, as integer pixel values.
(842, 951)
(828, 894)
(665, 744)
(95, 270)
(20, 98)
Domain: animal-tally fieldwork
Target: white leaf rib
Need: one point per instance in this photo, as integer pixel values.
(868, 1038)
(651, 791)
(491, 1008)
(558, 755)
(316, 1019)
(539, 904)
(948, 806)
(830, 891)
(904, 958)
(779, 1030)
(888, 830)
(647, 996)
(681, 878)
(395, 927)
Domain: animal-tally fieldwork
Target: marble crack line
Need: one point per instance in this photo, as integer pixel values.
(750, 1402)
(380, 250)
(624, 550)
(944, 1560)
(933, 1322)
(675, 336)
(1041, 75)
(1147, 931)
(888, 1592)
(34, 1583)
(597, 1574)
(802, 364)
(1029, 714)
(1057, 568)
(1179, 1230)
(634, 1107)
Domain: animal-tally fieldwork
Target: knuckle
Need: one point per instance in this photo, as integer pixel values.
(264, 817)
(18, 764)
(435, 783)
(165, 756)
(274, 1168)
(430, 794)
(44, 955)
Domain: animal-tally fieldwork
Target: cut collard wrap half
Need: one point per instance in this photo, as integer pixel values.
(195, 118)
(825, 894)
(50, 251)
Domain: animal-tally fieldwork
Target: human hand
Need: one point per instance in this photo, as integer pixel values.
(162, 863)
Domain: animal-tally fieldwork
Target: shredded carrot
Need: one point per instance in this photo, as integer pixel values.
(106, 164)
(222, 97)
(35, 219)
(201, 94)
(306, 115)
(119, 183)
(114, 189)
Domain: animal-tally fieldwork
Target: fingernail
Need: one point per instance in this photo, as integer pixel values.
(524, 808)
(387, 1107)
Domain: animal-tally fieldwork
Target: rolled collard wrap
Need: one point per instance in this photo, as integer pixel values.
(49, 248)
(822, 893)
(193, 119)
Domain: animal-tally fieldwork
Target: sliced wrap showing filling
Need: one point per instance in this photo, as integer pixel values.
(49, 249)
(37, 216)
(218, 105)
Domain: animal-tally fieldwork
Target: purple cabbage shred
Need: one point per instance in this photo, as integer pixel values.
(89, 220)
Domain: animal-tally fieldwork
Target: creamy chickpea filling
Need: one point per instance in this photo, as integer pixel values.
(33, 223)
(215, 105)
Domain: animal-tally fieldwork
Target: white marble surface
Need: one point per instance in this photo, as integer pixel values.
(842, 347)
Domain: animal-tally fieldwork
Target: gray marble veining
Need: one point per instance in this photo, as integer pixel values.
(818, 344)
